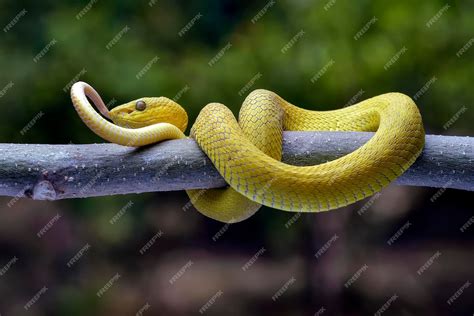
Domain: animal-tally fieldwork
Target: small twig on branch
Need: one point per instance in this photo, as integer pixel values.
(70, 171)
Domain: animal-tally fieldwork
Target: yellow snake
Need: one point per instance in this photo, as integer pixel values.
(247, 153)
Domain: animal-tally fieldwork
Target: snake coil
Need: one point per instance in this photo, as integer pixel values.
(247, 152)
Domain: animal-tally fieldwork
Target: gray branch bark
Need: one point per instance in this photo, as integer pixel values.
(54, 172)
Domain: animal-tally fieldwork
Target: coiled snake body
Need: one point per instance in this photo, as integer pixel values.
(248, 153)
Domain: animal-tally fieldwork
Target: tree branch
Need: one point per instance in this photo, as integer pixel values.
(70, 171)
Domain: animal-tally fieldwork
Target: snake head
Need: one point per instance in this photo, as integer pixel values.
(148, 111)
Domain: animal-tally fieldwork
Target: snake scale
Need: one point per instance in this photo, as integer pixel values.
(247, 152)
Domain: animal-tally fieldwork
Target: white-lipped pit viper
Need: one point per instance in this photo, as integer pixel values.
(247, 153)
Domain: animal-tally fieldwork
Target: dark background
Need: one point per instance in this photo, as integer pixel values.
(37, 85)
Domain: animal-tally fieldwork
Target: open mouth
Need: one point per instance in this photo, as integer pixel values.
(126, 111)
(121, 112)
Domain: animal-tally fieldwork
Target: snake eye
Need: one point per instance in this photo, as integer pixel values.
(140, 105)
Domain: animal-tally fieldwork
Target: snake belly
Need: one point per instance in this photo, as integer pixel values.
(248, 153)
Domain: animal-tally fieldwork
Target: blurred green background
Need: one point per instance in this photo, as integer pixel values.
(407, 47)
